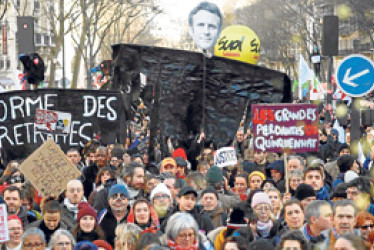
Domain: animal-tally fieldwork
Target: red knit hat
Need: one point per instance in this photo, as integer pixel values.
(103, 244)
(15, 217)
(85, 209)
(179, 152)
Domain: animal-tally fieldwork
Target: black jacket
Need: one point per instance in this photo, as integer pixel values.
(202, 218)
(47, 232)
(108, 224)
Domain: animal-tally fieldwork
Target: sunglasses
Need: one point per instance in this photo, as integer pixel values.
(371, 226)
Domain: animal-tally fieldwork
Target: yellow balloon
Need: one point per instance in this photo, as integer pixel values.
(239, 43)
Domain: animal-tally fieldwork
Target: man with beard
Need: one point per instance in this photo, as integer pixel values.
(134, 178)
(162, 200)
(12, 198)
(115, 213)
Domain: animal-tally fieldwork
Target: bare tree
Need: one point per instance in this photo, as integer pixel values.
(106, 22)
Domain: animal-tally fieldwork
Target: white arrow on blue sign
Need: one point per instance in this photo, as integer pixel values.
(355, 75)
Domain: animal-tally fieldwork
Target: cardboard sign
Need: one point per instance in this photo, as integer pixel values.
(70, 117)
(225, 157)
(49, 170)
(285, 127)
(54, 122)
(4, 235)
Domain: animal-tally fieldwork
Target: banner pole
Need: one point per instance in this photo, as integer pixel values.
(286, 172)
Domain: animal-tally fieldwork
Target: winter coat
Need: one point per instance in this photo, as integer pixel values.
(203, 220)
(108, 224)
(47, 232)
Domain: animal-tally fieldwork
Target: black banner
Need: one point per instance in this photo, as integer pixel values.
(193, 92)
(91, 113)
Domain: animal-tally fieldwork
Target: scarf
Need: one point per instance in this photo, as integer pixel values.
(264, 228)
(154, 223)
(72, 207)
(174, 246)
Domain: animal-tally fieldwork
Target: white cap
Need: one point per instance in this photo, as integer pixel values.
(349, 176)
(161, 188)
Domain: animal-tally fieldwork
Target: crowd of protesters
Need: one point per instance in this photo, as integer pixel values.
(181, 200)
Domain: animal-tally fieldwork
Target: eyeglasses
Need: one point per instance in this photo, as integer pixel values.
(72, 190)
(118, 197)
(161, 197)
(185, 236)
(262, 209)
(66, 243)
(30, 245)
(371, 226)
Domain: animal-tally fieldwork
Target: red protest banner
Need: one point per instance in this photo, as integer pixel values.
(285, 127)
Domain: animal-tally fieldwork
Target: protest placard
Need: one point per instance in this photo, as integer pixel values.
(285, 127)
(4, 235)
(225, 157)
(49, 170)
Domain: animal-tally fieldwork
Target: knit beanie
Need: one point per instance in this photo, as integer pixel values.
(349, 176)
(118, 189)
(15, 217)
(345, 162)
(258, 173)
(179, 152)
(236, 219)
(161, 188)
(259, 198)
(85, 209)
(103, 244)
(261, 244)
(304, 191)
(214, 175)
(85, 245)
(209, 190)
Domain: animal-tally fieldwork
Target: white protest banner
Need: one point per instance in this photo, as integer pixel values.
(4, 235)
(49, 170)
(225, 157)
(50, 121)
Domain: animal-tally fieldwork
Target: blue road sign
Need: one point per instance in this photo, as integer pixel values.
(355, 75)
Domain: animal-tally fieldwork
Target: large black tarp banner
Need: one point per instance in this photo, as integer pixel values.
(70, 117)
(193, 92)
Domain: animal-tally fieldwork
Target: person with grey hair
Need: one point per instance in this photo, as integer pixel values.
(182, 231)
(295, 162)
(33, 238)
(318, 215)
(344, 221)
(205, 22)
(61, 239)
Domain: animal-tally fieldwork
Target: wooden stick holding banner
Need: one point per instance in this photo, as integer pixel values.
(286, 172)
(285, 128)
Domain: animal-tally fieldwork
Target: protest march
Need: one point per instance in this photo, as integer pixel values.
(188, 151)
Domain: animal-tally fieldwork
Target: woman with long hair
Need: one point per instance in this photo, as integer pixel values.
(144, 215)
(87, 228)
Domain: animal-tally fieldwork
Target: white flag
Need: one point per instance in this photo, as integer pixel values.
(305, 73)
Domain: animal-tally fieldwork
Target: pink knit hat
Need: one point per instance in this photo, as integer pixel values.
(259, 198)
